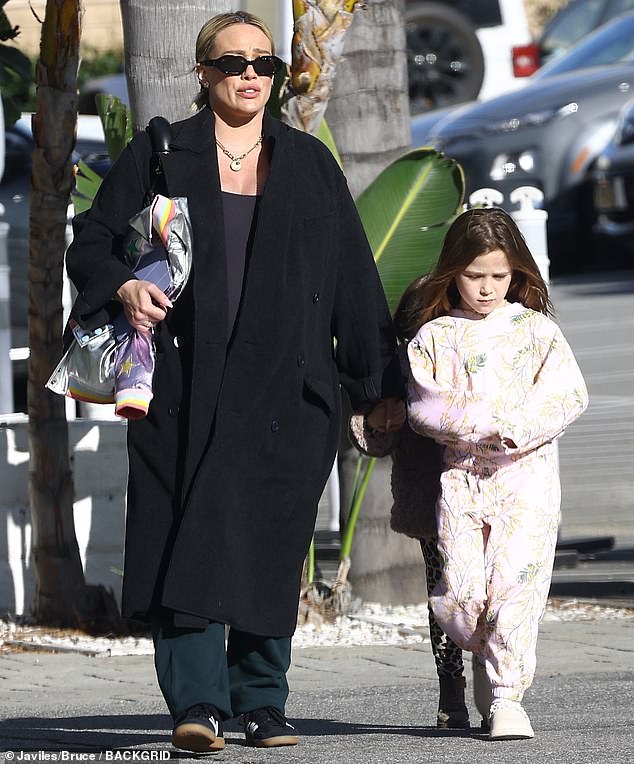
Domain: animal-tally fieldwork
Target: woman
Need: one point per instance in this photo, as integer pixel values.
(226, 471)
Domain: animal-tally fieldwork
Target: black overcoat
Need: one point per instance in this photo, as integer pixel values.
(227, 468)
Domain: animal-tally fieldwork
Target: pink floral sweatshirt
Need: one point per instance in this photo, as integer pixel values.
(492, 389)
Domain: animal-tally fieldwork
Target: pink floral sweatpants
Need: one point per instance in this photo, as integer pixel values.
(497, 531)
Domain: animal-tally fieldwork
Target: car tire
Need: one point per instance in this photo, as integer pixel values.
(445, 61)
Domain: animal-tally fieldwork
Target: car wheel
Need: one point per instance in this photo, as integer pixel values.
(444, 57)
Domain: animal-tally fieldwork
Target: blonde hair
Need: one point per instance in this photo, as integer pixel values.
(207, 38)
(475, 232)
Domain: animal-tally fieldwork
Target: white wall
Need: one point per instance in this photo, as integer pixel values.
(98, 453)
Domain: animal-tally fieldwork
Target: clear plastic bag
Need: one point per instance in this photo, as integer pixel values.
(86, 370)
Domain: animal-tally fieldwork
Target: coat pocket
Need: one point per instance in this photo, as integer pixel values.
(322, 392)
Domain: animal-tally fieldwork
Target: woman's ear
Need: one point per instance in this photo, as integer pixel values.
(202, 77)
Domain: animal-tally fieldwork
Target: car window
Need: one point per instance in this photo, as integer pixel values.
(611, 44)
(570, 25)
(483, 13)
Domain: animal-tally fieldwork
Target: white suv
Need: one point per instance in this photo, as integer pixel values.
(460, 50)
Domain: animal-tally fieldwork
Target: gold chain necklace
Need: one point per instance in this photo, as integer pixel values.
(236, 162)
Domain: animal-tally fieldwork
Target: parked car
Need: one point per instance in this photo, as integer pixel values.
(567, 26)
(613, 45)
(613, 191)
(548, 135)
(15, 186)
(459, 50)
(112, 84)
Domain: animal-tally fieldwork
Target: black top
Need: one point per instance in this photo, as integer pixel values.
(240, 216)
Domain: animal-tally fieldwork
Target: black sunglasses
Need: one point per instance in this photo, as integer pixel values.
(264, 66)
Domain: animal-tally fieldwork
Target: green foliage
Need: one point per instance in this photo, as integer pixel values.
(18, 81)
(87, 182)
(16, 71)
(363, 472)
(98, 63)
(310, 562)
(117, 124)
(325, 136)
(406, 211)
(117, 127)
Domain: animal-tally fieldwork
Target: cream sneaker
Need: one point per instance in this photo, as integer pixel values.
(509, 721)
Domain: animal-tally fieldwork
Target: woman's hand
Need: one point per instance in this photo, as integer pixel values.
(387, 415)
(144, 304)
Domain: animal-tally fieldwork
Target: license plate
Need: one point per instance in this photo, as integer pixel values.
(609, 194)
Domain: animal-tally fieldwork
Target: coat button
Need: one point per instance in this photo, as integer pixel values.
(176, 342)
(316, 297)
(172, 410)
(275, 425)
(301, 361)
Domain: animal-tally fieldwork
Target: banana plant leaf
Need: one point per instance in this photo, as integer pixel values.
(325, 136)
(117, 123)
(406, 211)
(117, 128)
(87, 182)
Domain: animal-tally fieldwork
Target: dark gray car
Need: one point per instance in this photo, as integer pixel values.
(548, 135)
(613, 192)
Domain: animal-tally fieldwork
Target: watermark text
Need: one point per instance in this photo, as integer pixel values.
(86, 756)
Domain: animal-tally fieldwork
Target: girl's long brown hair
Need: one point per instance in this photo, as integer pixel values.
(475, 232)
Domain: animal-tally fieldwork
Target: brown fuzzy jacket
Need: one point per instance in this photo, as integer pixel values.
(416, 468)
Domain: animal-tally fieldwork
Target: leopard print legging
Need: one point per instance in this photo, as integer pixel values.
(447, 654)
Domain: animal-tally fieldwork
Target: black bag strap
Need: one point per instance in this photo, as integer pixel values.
(160, 132)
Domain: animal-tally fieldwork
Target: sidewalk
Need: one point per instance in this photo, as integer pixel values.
(368, 705)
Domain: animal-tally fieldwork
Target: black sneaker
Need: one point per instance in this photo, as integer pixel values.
(268, 727)
(198, 729)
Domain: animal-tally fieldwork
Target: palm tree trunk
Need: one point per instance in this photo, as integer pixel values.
(160, 43)
(58, 570)
(368, 112)
(368, 115)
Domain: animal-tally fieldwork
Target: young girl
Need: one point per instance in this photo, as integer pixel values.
(493, 380)
(416, 468)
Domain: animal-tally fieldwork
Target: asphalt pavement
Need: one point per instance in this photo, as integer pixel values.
(377, 704)
(351, 704)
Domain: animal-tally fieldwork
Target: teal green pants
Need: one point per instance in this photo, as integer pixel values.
(195, 666)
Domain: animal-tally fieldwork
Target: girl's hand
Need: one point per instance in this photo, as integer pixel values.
(387, 415)
(144, 304)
